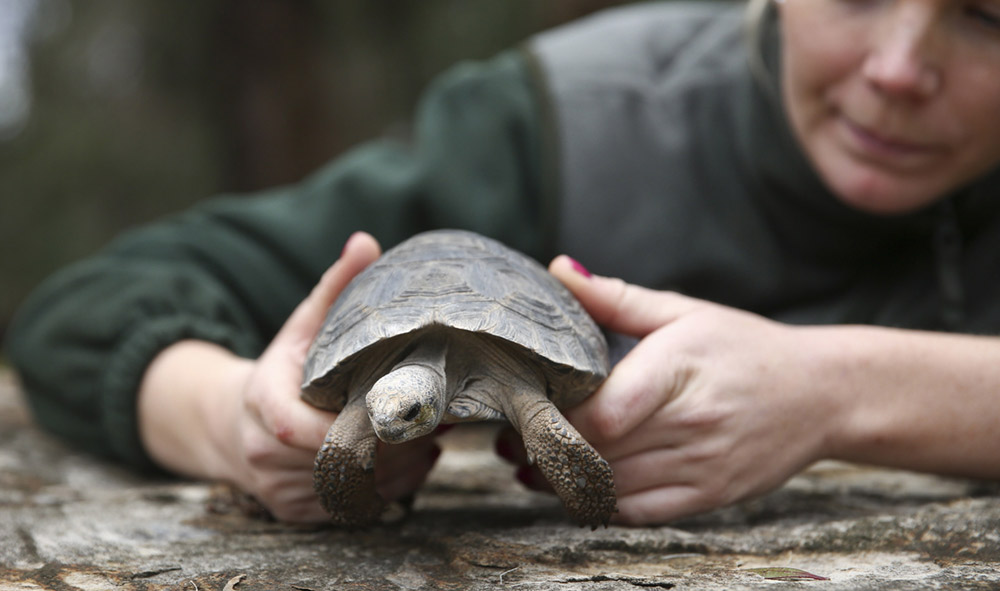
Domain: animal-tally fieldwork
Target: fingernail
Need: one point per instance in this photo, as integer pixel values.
(347, 243)
(579, 268)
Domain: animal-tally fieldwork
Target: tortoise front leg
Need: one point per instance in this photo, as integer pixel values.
(578, 474)
(344, 475)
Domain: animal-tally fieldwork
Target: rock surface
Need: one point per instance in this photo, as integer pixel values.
(70, 522)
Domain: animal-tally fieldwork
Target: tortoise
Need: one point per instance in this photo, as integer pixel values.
(451, 326)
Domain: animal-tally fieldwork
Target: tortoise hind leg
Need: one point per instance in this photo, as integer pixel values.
(344, 474)
(578, 474)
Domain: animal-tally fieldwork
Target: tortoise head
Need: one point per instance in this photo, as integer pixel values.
(406, 403)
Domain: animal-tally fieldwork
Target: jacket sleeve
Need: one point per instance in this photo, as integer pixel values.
(231, 270)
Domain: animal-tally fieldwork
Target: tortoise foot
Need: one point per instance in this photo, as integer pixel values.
(344, 479)
(578, 474)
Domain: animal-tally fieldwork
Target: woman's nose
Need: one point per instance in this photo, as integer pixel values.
(903, 57)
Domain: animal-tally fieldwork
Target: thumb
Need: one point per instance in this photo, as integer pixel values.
(360, 250)
(619, 306)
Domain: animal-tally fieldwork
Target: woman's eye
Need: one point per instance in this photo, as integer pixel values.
(986, 16)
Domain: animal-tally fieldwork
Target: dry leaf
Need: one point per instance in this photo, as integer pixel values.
(231, 585)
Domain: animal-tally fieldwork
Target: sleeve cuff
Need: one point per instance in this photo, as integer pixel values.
(123, 377)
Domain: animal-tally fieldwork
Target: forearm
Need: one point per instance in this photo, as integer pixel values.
(914, 400)
(186, 395)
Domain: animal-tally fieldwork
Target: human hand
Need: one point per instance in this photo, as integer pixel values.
(713, 405)
(207, 413)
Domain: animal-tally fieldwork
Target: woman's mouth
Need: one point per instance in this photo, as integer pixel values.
(885, 149)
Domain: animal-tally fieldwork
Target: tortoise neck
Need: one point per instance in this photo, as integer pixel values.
(502, 379)
(409, 401)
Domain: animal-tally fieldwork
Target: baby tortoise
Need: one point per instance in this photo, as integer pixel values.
(446, 327)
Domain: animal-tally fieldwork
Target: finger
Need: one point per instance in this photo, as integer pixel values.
(620, 306)
(281, 413)
(661, 505)
(264, 451)
(290, 497)
(294, 423)
(360, 250)
(636, 389)
(304, 510)
(306, 426)
(284, 458)
(655, 468)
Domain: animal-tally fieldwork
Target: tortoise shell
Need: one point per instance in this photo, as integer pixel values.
(455, 280)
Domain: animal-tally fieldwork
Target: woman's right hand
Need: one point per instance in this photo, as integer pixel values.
(207, 413)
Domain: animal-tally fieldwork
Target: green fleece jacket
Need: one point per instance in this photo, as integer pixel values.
(637, 141)
(230, 271)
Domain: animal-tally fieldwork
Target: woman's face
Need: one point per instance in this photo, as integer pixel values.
(895, 102)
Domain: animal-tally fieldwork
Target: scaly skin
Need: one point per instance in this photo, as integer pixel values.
(578, 474)
(344, 475)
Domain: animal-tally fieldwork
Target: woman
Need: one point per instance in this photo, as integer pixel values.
(847, 181)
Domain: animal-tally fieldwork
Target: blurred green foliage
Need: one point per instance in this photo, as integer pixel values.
(141, 107)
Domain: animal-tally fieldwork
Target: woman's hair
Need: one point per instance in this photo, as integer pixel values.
(755, 16)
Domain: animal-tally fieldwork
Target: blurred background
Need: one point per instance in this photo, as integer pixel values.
(115, 112)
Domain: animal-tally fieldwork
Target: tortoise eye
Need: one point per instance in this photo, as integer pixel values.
(412, 412)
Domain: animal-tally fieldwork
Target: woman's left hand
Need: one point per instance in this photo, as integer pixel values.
(713, 405)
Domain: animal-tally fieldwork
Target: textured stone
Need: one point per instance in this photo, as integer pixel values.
(69, 522)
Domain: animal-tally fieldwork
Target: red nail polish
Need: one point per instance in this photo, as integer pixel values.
(579, 268)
